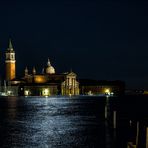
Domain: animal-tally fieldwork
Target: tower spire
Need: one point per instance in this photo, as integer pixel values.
(10, 45)
(48, 63)
(10, 62)
(33, 71)
(26, 71)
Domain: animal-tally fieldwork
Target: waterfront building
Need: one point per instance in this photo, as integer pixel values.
(48, 82)
(33, 84)
(102, 87)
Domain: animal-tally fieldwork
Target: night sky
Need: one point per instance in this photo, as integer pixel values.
(104, 40)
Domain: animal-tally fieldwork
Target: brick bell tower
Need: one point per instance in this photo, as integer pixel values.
(10, 62)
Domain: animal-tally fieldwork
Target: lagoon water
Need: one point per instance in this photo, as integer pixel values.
(61, 122)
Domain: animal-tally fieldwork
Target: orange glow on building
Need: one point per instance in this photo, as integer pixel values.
(10, 70)
(10, 62)
(40, 79)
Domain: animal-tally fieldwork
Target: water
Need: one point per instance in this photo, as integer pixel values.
(63, 122)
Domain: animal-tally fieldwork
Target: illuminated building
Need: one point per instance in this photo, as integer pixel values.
(50, 83)
(10, 62)
(95, 87)
(33, 84)
(46, 83)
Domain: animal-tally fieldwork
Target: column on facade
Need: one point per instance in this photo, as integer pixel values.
(68, 86)
(74, 86)
(71, 85)
(65, 86)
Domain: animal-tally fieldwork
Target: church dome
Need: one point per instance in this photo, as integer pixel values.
(50, 69)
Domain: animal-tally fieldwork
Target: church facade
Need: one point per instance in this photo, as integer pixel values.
(46, 83)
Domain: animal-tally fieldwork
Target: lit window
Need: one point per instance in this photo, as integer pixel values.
(27, 92)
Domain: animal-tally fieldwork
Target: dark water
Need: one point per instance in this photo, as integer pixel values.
(63, 122)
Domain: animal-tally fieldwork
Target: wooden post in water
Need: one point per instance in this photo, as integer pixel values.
(130, 144)
(114, 119)
(106, 107)
(105, 111)
(147, 137)
(137, 135)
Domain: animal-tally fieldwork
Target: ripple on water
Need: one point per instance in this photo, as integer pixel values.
(50, 122)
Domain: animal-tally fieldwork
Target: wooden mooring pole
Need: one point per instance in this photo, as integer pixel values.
(114, 119)
(137, 135)
(147, 137)
(105, 111)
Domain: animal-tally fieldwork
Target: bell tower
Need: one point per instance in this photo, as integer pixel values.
(10, 62)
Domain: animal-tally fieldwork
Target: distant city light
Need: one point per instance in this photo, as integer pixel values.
(45, 92)
(26, 92)
(107, 91)
(9, 92)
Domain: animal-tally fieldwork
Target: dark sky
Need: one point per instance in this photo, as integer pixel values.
(97, 39)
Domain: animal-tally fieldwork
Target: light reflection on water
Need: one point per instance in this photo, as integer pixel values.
(52, 122)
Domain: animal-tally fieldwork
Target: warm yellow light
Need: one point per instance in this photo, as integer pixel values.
(46, 92)
(39, 79)
(9, 92)
(26, 92)
(107, 91)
